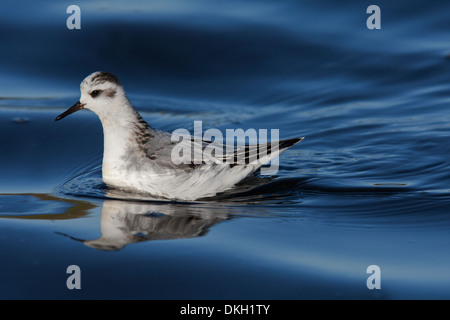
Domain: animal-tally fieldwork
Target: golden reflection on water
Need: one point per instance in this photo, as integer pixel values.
(77, 209)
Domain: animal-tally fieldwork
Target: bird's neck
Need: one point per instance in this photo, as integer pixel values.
(124, 135)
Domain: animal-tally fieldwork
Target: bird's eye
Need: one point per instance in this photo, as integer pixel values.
(95, 93)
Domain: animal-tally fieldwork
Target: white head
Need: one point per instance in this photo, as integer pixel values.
(102, 93)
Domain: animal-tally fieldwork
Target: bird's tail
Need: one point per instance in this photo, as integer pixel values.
(285, 144)
(263, 153)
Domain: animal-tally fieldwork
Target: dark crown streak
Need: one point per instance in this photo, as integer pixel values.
(102, 77)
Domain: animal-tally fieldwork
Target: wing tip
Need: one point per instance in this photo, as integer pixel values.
(284, 144)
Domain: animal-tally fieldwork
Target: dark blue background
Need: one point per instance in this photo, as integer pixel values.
(368, 185)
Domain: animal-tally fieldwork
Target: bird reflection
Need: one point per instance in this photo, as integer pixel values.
(126, 222)
(127, 219)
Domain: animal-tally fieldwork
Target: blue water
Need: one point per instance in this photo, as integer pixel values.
(368, 185)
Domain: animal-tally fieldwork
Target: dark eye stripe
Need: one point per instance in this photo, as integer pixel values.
(110, 93)
(95, 93)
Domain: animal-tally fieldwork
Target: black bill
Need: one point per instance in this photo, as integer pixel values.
(77, 106)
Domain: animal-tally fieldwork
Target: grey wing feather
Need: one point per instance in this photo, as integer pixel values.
(264, 152)
(159, 149)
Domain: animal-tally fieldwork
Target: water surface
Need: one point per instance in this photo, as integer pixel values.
(368, 185)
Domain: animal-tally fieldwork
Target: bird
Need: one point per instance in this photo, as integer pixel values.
(139, 159)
